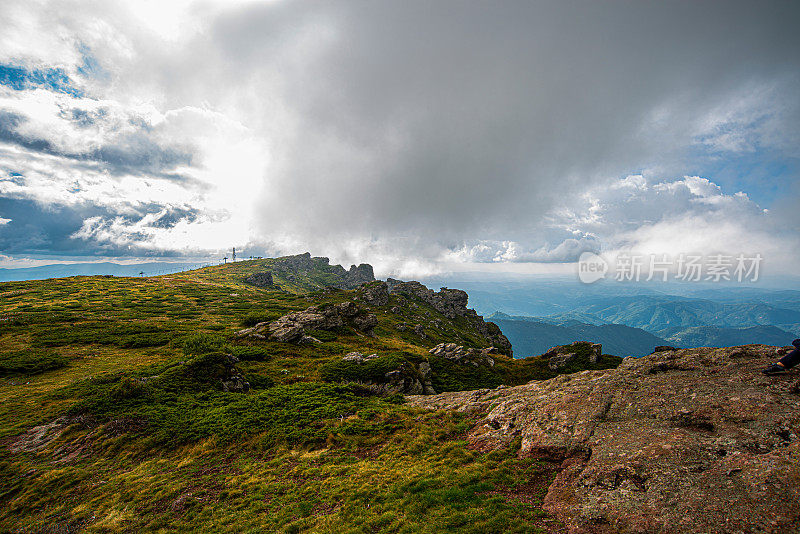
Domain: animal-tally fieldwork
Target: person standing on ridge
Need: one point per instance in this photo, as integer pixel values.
(787, 362)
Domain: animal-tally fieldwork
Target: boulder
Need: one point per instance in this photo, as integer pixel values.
(464, 355)
(685, 441)
(408, 378)
(357, 357)
(561, 360)
(562, 355)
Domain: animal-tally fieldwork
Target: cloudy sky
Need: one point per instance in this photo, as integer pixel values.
(413, 135)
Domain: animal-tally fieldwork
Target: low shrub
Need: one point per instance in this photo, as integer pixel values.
(201, 343)
(449, 375)
(30, 362)
(323, 335)
(369, 371)
(103, 333)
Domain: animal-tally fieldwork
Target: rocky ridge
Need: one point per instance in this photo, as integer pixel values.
(290, 267)
(260, 279)
(452, 303)
(684, 441)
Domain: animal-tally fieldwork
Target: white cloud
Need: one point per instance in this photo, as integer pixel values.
(688, 215)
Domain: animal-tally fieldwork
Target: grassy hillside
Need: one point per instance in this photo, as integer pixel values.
(113, 417)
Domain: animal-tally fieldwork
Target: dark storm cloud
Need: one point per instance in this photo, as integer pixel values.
(453, 119)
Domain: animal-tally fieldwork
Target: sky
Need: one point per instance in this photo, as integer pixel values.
(417, 136)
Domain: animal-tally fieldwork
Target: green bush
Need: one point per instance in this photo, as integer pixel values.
(129, 388)
(30, 362)
(259, 381)
(448, 375)
(134, 335)
(177, 411)
(200, 373)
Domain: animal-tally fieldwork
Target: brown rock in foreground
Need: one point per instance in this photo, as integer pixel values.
(688, 441)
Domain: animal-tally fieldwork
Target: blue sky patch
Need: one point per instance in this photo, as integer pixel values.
(20, 78)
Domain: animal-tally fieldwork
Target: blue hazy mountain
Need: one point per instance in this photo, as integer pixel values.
(532, 336)
(660, 314)
(712, 336)
(686, 315)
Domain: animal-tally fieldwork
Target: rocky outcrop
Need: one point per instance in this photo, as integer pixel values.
(233, 380)
(400, 381)
(408, 378)
(357, 357)
(293, 269)
(374, 294)
(260, 279)
(562, 355)
(292, 327)
(452, 303)
(358, 275)
(682, 441)
(464, 355)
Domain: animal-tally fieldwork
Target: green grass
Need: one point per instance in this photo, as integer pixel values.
(153, 443)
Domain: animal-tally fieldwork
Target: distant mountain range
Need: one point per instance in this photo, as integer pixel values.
(562, 310)
(712, 336)
(662, 314)
(532, 336)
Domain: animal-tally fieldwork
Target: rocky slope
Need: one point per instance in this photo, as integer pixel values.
(688, 441)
